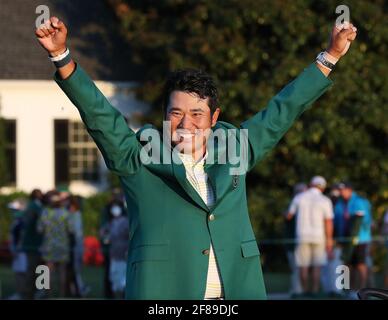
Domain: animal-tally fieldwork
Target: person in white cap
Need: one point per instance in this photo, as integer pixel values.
(314, 233)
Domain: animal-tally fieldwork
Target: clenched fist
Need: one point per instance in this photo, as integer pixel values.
(52, 36)
(341, 38)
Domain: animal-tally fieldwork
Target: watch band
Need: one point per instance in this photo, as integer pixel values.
(63, 62)
(62, 59)
(321, 59)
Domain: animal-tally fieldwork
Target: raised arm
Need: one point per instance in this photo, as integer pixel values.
(267, 127)
(108, 128)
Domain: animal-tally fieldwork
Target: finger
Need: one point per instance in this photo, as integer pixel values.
(45, 31)
(58, 24)
(39, 33)
(54, 21)
(51, 29)
(352, 36)
(351, 26)
(345, 33)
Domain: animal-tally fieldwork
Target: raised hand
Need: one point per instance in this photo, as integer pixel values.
(52, 36)
(341, 39)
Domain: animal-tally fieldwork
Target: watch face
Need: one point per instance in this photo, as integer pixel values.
(321, 58)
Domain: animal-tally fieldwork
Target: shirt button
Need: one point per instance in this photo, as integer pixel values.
(212, 217)
(205, 252)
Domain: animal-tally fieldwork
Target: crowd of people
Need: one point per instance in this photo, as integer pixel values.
(326, 227)
(48, 230)
(327, 232)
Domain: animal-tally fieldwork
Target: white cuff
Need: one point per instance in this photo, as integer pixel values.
(61, 56)
(330, 58)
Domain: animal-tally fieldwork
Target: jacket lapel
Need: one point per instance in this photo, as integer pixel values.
(221, 180)
(180, 175)
(218, 173)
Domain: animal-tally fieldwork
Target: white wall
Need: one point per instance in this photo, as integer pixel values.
(35, 104)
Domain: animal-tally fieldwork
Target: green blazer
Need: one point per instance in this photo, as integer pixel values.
(170, 226)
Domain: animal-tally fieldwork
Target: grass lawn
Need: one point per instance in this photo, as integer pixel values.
(93, 276)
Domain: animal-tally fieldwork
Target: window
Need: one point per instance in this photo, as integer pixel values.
(10, 150)
(76, 155)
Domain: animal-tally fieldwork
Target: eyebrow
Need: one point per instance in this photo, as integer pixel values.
(196, 110)
(174, 109)
(179, 109)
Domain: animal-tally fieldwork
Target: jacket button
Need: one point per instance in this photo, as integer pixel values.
(212, 217)
(205, 252)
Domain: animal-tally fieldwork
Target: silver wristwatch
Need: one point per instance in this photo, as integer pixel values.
(322, 59)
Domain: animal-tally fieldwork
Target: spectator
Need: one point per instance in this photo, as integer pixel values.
(353, 219)
(19, 261)
(295, 286)
(117, 230)
(106, 216)
(328, 272)
(314, 230)
(55, 226)
(32, 240)
(77, 248)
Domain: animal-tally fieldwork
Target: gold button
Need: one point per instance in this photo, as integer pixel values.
(205, 252)
(212, 217)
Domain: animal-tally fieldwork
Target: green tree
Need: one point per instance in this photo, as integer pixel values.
(253, 48)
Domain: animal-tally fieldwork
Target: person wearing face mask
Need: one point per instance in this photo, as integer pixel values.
(105, 218)
(117, 232)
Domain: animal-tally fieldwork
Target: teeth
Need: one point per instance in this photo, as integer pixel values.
(185, 135)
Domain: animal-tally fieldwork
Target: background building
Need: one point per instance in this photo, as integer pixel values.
(47, 144)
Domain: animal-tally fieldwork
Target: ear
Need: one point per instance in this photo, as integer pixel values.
(215, 116)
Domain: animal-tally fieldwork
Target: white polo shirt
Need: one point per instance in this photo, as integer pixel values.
(311, 208)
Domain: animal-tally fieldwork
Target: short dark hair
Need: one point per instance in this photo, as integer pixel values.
(36, 194)
(345, 185)
(191, 81)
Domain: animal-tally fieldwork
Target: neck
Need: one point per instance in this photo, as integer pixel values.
(199, 154)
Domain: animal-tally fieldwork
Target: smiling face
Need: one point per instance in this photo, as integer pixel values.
(191, 120)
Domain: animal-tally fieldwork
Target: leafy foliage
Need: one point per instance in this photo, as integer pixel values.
(253, 48)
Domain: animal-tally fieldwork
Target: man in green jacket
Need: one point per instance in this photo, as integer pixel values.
(191, 237)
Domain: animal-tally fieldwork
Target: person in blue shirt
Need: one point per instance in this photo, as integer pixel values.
(353, 218)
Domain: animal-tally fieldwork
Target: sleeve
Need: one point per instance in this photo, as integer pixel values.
(293, 206)
(106, 125)
(329, 211)
(267, 127)
(359, 208)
